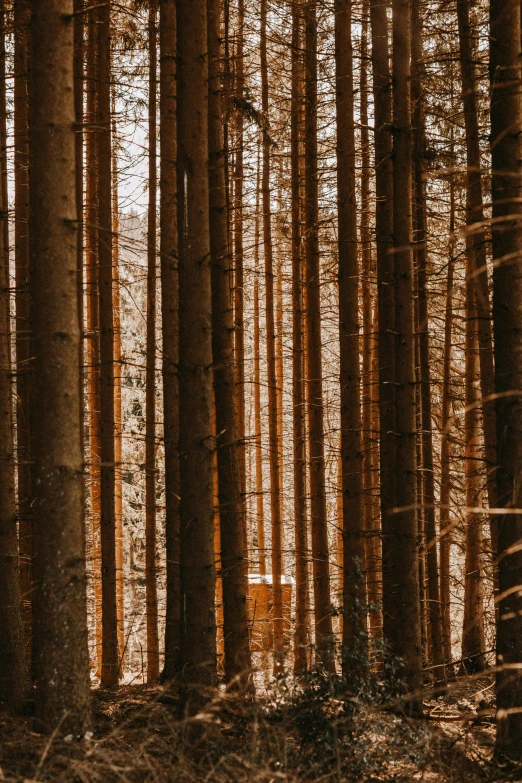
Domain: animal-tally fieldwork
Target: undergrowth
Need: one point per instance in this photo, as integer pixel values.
(306, 729)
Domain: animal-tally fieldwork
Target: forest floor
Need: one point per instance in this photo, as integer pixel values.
(285, 737)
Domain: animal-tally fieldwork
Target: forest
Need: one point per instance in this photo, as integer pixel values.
(260, 391)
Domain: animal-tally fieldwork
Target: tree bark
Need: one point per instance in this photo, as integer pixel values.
(230, 494)
(421, 252)
(260, 514)
(473, 642)
(476, 248)
(260, 524)
(318, 516)
(301, 640)
(384, 241)
(110, 658)
(400, 560)
(445, 468)
(118, 420)
(198, 642)
(506, 119)
(93, 321)
(150, 404)
(275, 489)
(169, 328)
(24, 348)
(354, 554)
(60, 618)
(238, 251)
(370, 402)
(13, 665)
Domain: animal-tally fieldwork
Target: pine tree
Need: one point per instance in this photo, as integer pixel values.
(169, 327)
(150, 424)
(196, 443)
(318, 518)
(24, 348)
(301, 640)
(110, 659)
(354, 557)
(230, 495)
(401, 577)
(60, 621)
(274, 446)
(13, 669)
(506, 119)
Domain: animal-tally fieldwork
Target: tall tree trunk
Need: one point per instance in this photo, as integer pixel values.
(421, 251)
(473, 642)
(385, 280)
(260, 514)
(93, 321)
(275, 489)
(150, 422)
(384, 242)
(400, 560)
(13, 668)
(301, 640)
(354, 555)
(110, 660)
(60, 618)
(370, 409)
(238, 251)
(79, 54)
(231, 496)
(476, 248)
(118, 420)
(318, 516)
(445, 468)
(198, 641)
(506, 119)
(169, 328)
(24, 349)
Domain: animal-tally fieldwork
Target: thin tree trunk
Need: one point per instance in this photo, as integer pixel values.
(79, 54)
(401, 579)
(150, 421)
(321, 575)
(110, 660)
(354, 557)
(13, 665)
(476, 244)
(169, 328)
(370, 403)
(260, 514)
(198, 640)
(473, 641)
(445, 468)
(279, 369)
(220, 641)
(60, 618)
(118, 420)
(421, 250)
(24, 349)
(238, 251)
(231, 496)
(384, 241)
(93, 322)
(275, 489)
(301, 640)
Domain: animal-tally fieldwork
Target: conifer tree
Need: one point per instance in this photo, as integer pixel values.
(60, 621)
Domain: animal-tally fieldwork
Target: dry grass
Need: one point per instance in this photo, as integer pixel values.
(288, 735)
